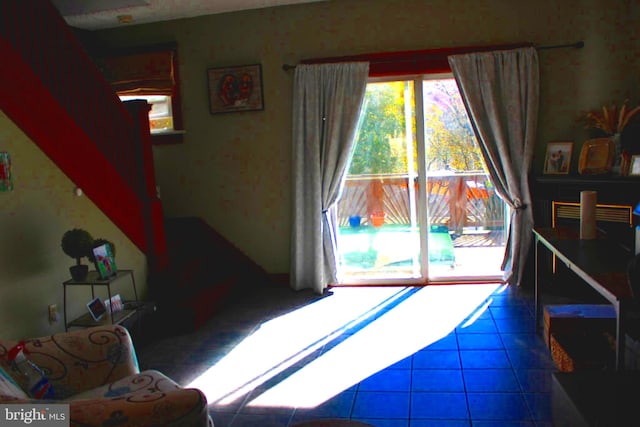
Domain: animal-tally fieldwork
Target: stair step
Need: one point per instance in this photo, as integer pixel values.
(205, 272)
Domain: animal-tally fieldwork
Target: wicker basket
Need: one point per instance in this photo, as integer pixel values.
(574, 318)
(583, 351)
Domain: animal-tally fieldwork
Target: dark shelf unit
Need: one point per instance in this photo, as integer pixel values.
(617, 190)
(93, 280)
(611, 189)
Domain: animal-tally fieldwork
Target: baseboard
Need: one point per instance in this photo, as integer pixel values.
(279, 279)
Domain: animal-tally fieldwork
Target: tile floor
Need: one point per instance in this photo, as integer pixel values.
(463, 355)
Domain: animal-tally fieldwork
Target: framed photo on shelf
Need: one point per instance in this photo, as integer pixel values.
(104, 261)
(236, 88)
(114, 304)
(634, 167)
(558, 158)
(596, 157)
(96, 309)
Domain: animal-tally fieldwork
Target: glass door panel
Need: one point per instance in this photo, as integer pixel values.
(466, 216)
(417, 185)
(379, 234)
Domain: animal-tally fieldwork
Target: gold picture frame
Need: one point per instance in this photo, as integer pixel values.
(596, 157)
(558, 157)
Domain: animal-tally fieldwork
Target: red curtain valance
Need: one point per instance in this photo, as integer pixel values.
(428, 61)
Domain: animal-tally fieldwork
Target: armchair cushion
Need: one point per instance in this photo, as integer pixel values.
(150, 381)
(185, 407)
(96, 372)
(78, 360)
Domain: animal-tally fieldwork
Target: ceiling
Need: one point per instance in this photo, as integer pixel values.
(101, 14)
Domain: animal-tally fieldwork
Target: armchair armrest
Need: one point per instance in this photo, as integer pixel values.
(183, 407)
(79, 360)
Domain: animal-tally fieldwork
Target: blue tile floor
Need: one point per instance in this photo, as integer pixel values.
(454, 355)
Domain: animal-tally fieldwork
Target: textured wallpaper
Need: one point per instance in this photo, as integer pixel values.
(33, 218)
(234, 169)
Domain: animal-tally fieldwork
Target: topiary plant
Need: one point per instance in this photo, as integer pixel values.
(77, 243)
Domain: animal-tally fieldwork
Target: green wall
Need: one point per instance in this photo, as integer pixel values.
(233, 169)
(33, 218)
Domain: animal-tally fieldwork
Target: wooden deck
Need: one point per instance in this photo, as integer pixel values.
(458, 201)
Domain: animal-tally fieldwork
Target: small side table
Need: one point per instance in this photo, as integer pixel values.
(93, 280)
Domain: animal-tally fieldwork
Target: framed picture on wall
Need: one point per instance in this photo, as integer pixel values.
(236, 88)
(558, 157)
(6, 181)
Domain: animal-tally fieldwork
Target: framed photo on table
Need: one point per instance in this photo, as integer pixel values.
(558, 157)
(233, 89)
(634, 167)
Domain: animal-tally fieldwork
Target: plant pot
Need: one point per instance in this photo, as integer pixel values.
(79, 272)
(377, 218)
(354, 221)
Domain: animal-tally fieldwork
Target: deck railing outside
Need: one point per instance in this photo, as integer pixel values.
(455, 200)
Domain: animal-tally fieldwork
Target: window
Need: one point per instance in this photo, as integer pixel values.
(149, 73)
(160, 115)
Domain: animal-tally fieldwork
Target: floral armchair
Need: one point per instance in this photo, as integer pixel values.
(96, 372)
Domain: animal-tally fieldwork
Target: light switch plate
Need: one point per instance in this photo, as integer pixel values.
(53, 313)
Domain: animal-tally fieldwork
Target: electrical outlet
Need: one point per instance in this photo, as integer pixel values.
(53, 313)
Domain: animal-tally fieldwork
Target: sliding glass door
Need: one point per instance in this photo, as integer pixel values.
(418, 205)
(379, 226)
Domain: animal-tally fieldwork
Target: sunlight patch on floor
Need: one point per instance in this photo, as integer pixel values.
(422, 319)
(280, 343)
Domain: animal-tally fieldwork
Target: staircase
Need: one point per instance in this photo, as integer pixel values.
(205, 271)
(54, 92)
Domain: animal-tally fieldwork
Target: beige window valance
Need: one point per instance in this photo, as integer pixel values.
(148, 73)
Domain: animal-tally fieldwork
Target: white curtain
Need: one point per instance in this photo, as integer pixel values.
(327, 99)
(500, 91)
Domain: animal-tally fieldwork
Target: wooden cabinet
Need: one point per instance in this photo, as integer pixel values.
(612, 190)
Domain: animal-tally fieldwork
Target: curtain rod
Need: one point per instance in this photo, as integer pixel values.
(576, 45)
